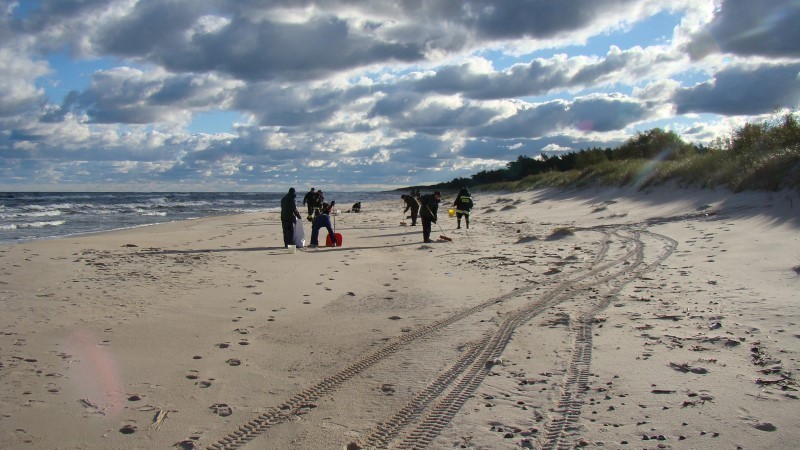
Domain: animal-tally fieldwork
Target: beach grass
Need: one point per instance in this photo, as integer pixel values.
(761, 156)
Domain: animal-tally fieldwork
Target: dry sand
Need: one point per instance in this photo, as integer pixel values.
(613, 318)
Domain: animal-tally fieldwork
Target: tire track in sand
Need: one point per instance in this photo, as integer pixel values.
(302, 402)
(562, 424)
(468, 372)
(443, 397)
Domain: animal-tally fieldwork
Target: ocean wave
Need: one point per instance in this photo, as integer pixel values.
(52, 206)
(38, 213)
(8, 227)
(53, 223)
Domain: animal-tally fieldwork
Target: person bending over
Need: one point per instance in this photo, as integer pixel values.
(411, 203)
(429, 207)
(322, 221)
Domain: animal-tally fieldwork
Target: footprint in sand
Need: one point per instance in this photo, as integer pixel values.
(765, 426)
(233, 362)
(192, 375)
(128, 429)
(204, 384)
(221, 409)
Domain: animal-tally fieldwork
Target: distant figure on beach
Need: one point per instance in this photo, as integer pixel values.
(318, 202)
(356, 207)
(463, 204)
(429, 208)
(322, 221)
(289, 215)
(411, 203)
(308, 200)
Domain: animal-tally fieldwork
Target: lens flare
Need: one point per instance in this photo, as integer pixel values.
(649, 168)
(95, 374)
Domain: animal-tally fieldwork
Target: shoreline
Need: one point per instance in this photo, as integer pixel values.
(666, 314)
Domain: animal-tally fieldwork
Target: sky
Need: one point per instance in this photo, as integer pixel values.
(347, 95)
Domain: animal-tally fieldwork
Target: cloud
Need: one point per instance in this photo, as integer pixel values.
(131, 96)
(751, 28)
(743, 90)
(175, 36)
(591, 113)
(541, 76)
(18, 92)
(290, 41)
(503, 20)
(297, 106)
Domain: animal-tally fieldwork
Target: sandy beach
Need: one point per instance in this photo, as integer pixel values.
(595, 318)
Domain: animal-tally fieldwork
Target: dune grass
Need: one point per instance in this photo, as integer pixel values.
(757, 156)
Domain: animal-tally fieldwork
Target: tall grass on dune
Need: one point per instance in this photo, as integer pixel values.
(756, 156)
(612, 173)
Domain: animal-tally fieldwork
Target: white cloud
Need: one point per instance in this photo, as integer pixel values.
(554, 148)
(18, 92)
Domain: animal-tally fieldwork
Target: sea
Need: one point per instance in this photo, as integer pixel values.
(26, 216)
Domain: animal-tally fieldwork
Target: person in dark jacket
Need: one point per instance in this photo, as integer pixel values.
(322, 221)
(318, 203)
(289, 215)
(411, 203)
(463, 204)
(429, 207)
(308, 200)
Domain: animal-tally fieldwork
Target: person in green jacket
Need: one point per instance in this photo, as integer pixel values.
(463, 204)
(429, 207)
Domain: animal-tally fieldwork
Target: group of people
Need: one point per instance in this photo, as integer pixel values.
(426, 207)
(315, 201)
(319, 214)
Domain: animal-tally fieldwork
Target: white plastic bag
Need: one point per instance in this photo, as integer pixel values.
(299, 238)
